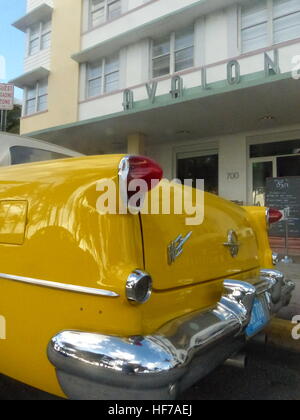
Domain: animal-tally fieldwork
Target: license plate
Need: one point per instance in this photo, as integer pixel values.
(259, 318)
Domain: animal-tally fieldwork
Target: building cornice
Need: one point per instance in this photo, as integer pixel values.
(30, 77)
(40, 13)
(191, 94)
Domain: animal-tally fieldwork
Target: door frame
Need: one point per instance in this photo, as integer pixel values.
(188, 153)
(272, 159)
(181, 154)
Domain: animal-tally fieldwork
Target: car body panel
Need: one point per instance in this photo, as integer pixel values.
(68, 241)
(205, 256)
(13, 219)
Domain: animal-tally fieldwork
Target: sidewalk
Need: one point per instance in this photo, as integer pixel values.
(292, 272)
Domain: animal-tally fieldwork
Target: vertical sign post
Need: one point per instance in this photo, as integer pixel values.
(6, 103)
(287, 259)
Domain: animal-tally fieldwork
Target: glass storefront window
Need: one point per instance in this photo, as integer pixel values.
(261, 171)
(288, 166)
(291, 147)
(200, 167)
(272, 160)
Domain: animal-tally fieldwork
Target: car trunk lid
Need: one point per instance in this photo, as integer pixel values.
(206, 250)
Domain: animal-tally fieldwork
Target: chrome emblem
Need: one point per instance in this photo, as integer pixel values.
(233, 243)
(175, 249)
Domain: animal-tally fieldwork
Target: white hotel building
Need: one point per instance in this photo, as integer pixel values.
(208, 88)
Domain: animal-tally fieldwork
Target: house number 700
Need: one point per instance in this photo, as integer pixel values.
(233, 175)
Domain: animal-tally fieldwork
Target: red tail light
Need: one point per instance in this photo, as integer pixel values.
(274, 216)
(140, 168)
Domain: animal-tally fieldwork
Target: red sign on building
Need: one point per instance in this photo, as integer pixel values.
(6, 97)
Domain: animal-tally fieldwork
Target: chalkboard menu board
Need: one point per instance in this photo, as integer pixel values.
(282, 193)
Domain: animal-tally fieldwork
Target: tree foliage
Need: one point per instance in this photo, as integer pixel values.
(13, 120)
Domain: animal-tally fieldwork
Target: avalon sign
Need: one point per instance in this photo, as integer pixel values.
(271, 67)
(6, 97)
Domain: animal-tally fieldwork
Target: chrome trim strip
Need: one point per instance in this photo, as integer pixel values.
(60, 286)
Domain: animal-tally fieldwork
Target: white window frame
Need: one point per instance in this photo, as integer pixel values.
(37, 98)
(102, 64)
(30, 40)
(42, 32)
(270, 24)
(277, 18)
(172, 53)
(88, 80)
(107, 3)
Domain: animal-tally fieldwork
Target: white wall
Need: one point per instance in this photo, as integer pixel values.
(32, 4)
(229, 163)
(152, 11)
(135, 74)
(127, 5)
(216, 36)
(41, 59)
(233, 167)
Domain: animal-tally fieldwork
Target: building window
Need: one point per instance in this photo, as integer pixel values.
(173, 53)
(286, 23)
(161, 53)
(46, 35)
(204, 166)
(268, 22)
(184, 49)
(102, 11)
(103, 76)
(39, 37)
(23, 154)
(254, 18)
(37, 97)
(291, 147)
(34, 39)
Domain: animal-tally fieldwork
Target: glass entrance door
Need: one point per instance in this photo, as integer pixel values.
(273, 167)
(205, 166)
(261, 170)
(288, 166)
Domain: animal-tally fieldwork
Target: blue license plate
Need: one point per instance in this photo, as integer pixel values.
(259, 319)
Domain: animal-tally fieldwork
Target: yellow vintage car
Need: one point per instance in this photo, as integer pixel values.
(122, 306)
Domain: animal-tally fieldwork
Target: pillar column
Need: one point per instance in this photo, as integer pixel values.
(136, 144)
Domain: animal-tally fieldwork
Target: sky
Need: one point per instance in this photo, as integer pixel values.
(11, 41)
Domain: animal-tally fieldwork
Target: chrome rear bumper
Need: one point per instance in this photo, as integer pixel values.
(161, 366)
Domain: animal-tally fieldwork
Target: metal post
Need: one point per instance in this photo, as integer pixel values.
(5, 121)
(287, 259)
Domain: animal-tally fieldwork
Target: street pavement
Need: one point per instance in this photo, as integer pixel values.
(271, 374)
(11, 390)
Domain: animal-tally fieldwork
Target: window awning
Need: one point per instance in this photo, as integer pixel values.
(31, 77)
(39, 14)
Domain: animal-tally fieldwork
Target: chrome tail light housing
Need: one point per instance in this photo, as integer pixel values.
(139, 287)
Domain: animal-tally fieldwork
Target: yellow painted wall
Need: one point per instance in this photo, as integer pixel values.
(64, 75)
